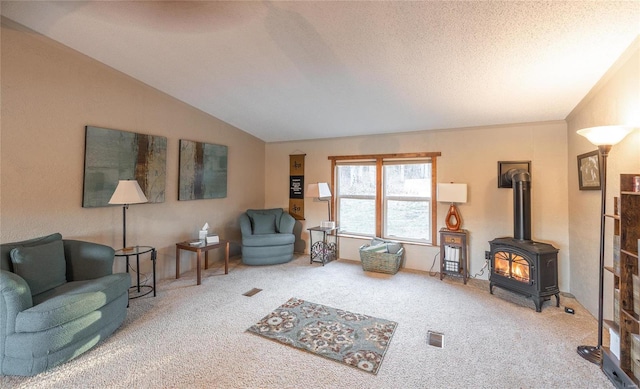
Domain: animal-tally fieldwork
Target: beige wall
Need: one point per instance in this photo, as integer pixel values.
(469, 156)
(49, 94)
(614, 100)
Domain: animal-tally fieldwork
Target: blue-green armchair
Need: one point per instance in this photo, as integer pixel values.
(267, 236)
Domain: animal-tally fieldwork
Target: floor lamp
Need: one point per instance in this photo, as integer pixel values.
(127, 192)
(604, 137)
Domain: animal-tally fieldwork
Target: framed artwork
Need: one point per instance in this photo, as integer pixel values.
(589, 171)
(505, 166)
(203, 171)
(112, 155)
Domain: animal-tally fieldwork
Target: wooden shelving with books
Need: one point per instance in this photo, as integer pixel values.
(624, 371)
(614, 325)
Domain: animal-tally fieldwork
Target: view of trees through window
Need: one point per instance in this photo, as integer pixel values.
(405, 202)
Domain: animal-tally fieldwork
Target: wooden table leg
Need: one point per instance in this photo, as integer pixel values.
(206, 259)
(198, 265)
(177, 262)
(226, 259)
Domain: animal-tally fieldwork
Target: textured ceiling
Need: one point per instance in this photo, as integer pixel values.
(306, 70)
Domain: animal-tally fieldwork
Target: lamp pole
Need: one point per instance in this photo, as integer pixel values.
(591, 353)
(124, 225)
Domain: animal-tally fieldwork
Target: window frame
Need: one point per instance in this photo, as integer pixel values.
(379, 198)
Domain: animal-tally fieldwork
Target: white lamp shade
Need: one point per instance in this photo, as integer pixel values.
(320, 190)
(605, 135)
(128, 192)
(452, 193)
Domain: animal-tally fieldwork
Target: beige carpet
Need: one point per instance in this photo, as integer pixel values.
(194, 336)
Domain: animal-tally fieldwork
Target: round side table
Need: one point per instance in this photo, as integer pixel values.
(139, 290)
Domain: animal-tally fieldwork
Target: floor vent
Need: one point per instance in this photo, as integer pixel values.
(435, 339)
(252, 292)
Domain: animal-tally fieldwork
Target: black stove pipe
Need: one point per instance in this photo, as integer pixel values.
(521, 184)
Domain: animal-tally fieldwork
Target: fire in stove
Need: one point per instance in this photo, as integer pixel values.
(520, 264)
(512, 266)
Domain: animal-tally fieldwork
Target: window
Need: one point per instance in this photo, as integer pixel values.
(386, 195)
(407, 201)
(356, 198)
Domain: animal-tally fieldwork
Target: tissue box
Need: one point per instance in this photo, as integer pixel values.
(213, 239)
(202, 234)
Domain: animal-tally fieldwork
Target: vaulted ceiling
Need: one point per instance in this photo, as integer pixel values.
(306, 70)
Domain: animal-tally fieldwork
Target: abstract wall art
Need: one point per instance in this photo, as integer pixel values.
(203, 171)
(112, 155)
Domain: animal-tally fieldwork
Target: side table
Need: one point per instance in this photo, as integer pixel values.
(323, 250)
(198, 249)
(453, 253)
(137, 251)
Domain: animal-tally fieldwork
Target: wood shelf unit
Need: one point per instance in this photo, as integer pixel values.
(627, 227)
(456, 266)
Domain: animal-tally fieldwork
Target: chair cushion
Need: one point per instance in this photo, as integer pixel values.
(264, 224)
(71, 301)
(268, 240)
(5, 248)
(276, 212)
(43, 267)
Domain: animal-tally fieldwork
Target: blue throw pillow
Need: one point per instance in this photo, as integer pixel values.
(42, 267)
(264, 224)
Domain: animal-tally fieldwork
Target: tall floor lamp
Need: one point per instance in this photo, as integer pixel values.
(127, 192)
(604, 137)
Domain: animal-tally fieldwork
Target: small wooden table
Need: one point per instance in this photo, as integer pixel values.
(198, 249)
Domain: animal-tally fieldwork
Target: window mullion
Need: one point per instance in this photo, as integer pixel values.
(379, 197)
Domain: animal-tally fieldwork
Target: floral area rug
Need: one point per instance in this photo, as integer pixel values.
(351, 338)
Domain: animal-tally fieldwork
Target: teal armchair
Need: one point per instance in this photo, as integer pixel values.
(58, 299)
(267, 236)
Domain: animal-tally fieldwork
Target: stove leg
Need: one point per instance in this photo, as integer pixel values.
(557, 299)
(538, 303)
(491, 287)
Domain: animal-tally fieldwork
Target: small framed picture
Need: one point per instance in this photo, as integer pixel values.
(589, 171)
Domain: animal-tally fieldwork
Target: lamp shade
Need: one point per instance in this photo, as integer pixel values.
(320, 190)
(452, 193)
(605, 135)
(128, 192)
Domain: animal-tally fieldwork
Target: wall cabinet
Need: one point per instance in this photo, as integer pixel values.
(626, 323)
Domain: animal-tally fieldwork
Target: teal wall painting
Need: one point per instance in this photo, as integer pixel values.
(112, 155)
(203, 171)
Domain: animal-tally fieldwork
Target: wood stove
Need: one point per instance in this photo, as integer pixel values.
(520, 264)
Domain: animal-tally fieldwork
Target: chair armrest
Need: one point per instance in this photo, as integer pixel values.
(287, 222)
(87, 260)
(15, 297)
(245, 225)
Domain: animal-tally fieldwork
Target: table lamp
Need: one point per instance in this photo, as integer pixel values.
(321, 192)
(127, 192)
(452, 193)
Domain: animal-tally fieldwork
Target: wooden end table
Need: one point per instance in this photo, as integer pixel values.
(198, 249)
